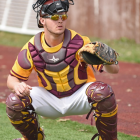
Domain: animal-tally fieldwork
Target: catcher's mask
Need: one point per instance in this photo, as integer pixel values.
(50, 7)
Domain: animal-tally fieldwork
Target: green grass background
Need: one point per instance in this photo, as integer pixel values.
(128, 50)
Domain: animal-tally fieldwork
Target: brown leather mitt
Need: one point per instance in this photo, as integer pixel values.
(97, 53)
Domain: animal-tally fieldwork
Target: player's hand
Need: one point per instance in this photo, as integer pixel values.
(22, 89)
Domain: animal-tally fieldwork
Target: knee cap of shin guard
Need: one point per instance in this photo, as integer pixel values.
(98, 91)
(18, 103)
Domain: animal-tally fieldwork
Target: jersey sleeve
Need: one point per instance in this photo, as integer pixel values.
(86, 40)
(23, 65)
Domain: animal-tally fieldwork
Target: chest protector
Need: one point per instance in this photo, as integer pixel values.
(59, 72)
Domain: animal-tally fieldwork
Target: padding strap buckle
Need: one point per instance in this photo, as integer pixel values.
(93, 108)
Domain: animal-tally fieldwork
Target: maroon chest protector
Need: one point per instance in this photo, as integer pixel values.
(59, 60)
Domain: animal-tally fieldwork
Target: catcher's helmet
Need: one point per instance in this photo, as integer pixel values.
(50, 7)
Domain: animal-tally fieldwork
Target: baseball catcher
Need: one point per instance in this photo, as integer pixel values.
(63, 60)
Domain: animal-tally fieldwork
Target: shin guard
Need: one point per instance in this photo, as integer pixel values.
(103, 101)
(23, 117)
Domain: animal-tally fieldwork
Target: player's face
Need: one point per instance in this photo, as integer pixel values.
(55, 27)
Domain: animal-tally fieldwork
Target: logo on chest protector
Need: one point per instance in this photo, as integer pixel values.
(54, 59)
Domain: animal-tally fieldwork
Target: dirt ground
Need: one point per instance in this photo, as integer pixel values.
(126, 86)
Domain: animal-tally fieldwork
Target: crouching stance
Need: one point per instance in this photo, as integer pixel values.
(61, 59)
(23, 117)
(102, 98)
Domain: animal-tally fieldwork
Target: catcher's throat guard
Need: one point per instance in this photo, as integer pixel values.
(50, 7)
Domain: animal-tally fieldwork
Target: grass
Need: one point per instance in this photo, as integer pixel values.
(13, 39)
(128, 50)
(54, 129)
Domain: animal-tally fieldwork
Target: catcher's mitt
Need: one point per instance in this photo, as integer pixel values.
(98, 53)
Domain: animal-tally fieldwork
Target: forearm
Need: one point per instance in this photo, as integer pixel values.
(12, 81)
(111, 68)
(20, 88)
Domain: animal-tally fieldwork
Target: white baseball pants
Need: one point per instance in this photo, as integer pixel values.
(48, 105)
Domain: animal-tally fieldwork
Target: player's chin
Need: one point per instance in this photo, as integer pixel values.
(59, 32)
